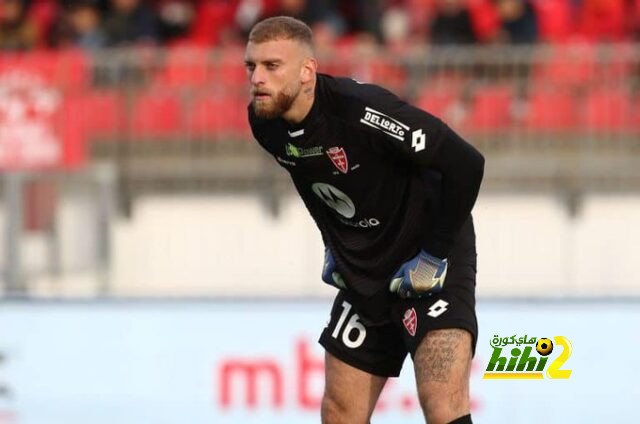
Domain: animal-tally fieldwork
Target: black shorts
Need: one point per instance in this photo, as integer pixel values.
(382, 349)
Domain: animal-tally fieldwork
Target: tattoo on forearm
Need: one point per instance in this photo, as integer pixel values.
(437, 354)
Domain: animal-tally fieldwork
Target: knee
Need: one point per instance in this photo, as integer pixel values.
(443, 405)
(334, 411)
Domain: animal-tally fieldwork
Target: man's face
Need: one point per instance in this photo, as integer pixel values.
(274, 70)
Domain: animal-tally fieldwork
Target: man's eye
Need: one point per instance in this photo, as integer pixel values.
(272, 66)
(250, 67)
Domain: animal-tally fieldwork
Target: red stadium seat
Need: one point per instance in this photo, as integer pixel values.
(438, 102)
(617, 64)
(211, 18)
(341, 62)
(603, 20)
(67, 69)
(156, 114)
(230, 72)
(204, 117)
(441, 95)
(100, 112)
(550, 110)
(490, 108)
(186, 67)
(567, 65)
(381, 72)
(217, 117)
(606, 109)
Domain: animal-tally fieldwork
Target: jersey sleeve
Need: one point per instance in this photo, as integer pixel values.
(423, 141)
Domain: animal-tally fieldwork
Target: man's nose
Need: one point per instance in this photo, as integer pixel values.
(257, 76)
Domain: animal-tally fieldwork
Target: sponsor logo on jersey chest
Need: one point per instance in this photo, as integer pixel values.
(343, 205)
(302, 152)
(384, 123)
(286, 162)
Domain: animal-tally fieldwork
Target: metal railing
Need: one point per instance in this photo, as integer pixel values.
(548, 117)
(557, 119)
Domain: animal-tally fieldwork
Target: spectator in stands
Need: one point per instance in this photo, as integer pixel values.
(17, 31)
(395, 26)
(79, 26)
(175, 18)
(311, 12)
(322, 16)
(130, 22)
(518, 22)
(44, 14)
(452, 23)
(367, 22)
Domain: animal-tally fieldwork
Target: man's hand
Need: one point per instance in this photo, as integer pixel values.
(422, 275)
(329, 273)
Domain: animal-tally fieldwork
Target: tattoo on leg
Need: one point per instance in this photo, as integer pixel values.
(437, 353)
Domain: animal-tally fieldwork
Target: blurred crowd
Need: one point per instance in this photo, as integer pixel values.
(92, 24)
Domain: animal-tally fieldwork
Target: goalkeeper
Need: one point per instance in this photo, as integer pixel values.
(391, 189)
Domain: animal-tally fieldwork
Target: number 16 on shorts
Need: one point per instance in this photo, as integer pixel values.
(353, 333)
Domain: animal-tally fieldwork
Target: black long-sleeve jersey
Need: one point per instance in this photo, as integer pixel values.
(381, 178)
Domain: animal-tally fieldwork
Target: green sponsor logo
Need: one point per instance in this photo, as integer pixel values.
(301, 152)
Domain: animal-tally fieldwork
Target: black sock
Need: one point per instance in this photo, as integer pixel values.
(462, 420)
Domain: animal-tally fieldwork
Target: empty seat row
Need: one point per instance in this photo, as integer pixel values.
(160, 114)
(497, 107)
(157, 114)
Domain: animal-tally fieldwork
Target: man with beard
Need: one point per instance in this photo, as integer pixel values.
(391, 189)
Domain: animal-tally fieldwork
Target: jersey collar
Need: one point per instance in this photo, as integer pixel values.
(303, 129)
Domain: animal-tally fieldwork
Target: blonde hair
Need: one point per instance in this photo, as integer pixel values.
(282, 28)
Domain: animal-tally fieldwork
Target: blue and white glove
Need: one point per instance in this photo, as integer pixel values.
(422, 275)
(329, 273)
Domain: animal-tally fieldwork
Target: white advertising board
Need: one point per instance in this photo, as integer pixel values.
(258, 362)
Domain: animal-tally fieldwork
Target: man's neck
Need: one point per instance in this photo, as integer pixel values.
(302, 104)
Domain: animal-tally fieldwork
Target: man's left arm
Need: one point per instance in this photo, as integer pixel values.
(422, 141)
(461, 167)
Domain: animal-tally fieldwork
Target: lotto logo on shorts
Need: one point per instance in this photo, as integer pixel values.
(410, 321)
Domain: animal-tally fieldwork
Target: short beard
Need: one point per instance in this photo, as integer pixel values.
(281, 103)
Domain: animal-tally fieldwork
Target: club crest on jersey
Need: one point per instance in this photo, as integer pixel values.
(339, 158)
(410, 321)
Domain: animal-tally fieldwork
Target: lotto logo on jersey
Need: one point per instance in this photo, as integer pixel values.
(339, 158)
(384, 123)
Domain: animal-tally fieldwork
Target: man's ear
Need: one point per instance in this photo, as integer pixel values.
(308, 70)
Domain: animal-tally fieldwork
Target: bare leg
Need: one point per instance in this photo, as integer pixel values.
(442, 366)
(350, 394)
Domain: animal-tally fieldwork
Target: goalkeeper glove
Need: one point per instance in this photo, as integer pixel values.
(421, 275)
(329, 273)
